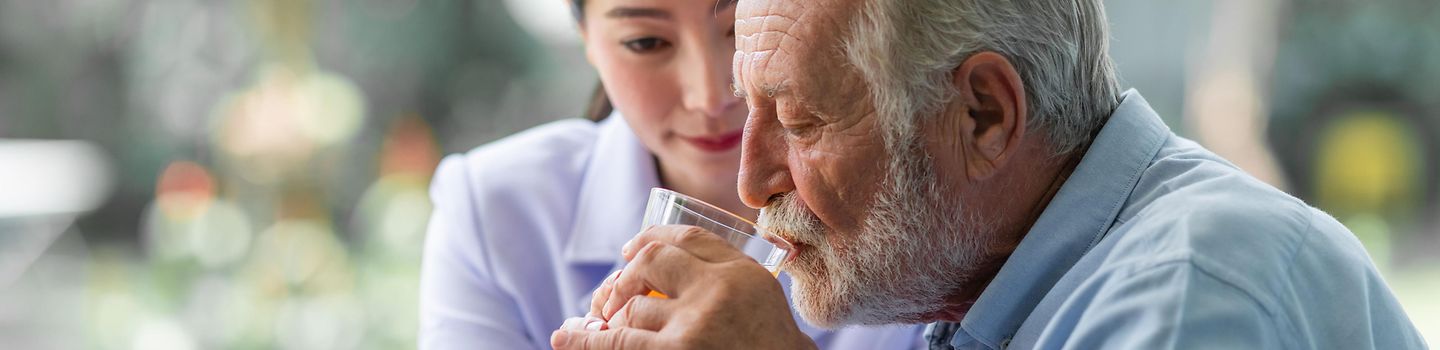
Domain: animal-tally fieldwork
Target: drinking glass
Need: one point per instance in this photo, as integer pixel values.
(667, 207)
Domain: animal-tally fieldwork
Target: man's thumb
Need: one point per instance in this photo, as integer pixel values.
(560, 339)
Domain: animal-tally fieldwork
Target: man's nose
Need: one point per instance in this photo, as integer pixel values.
(764, 172)
(707, 84)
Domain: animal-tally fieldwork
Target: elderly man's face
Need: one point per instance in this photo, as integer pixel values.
(874, 232)
(806, 124)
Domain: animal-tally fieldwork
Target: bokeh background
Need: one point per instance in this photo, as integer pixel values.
(185, 174)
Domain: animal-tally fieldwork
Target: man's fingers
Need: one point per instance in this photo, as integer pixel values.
(602, 294)
(617, 338)
(573, 323)
(657, 267)
(644, 313)
(703, 244)
(585, 323)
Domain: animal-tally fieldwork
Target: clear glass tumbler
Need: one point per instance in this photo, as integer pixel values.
(668, 207)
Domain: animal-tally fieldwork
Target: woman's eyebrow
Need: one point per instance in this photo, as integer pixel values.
(637, 12)
(650, 12)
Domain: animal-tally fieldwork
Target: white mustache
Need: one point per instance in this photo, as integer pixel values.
(787, 218)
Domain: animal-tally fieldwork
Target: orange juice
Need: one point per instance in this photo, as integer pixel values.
(656, 294)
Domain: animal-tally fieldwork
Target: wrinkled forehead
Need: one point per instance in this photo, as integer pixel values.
(780, 43)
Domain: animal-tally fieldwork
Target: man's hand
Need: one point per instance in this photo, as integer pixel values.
(717, 298)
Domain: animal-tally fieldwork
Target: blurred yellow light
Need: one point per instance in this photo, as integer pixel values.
(1367, 164)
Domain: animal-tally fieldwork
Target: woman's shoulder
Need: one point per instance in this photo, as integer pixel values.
(549, 156)
(558, 143)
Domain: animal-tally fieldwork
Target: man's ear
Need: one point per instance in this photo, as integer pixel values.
(994, 115)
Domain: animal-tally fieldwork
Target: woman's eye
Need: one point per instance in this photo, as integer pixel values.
(646, 45)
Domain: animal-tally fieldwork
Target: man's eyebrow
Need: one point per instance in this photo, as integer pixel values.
(770, 90)
(777, 89)
(637, 12)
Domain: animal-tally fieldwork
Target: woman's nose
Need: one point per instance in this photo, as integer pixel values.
(707, 84)
(713, 103)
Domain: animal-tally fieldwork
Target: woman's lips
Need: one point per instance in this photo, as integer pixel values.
(716, 143)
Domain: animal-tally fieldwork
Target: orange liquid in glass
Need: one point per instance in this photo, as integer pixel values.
(656, 294)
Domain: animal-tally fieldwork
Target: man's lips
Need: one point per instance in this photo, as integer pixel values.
(796, 250)
(715, 143)
(794, 245)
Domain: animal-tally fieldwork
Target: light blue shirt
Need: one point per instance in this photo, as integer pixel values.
(526, 227)
(1155, 243)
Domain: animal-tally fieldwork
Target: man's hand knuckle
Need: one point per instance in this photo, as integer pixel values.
(647, 255)
(630, 305)
(691, 235)
(603, 290)
(619, 285)
(723, 298)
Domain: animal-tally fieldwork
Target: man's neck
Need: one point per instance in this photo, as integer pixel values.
(1068, 165)
(958, 305)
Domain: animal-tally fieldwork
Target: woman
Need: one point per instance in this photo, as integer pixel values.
(526, 227)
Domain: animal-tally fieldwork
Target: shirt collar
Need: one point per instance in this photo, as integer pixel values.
(613, 192)
(1074, 221)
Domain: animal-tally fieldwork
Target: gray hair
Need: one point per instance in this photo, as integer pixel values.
(907, 49)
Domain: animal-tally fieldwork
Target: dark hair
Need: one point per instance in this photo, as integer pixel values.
(599, 106)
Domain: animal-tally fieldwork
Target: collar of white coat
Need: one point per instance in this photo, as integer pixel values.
(617, 181)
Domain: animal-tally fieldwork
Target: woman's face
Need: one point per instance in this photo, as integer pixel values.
(666, 66)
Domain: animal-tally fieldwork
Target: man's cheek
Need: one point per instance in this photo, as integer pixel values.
(817, 199)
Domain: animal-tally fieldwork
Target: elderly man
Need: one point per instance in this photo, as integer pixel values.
(973, 165)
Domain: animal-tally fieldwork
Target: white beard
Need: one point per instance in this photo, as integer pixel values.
(915, 249)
